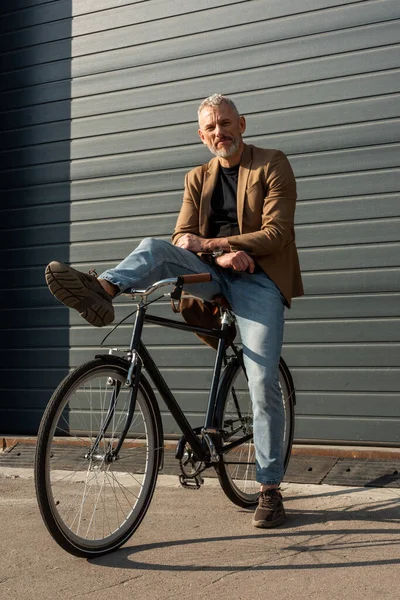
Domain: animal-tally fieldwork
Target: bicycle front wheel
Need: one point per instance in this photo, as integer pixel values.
(237, 467)
(91, 502)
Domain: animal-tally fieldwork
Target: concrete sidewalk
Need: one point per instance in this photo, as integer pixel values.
(338, 543)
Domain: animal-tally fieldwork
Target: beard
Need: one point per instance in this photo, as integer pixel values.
(225, 152)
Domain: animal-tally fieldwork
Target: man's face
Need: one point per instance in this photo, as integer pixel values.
(221, 129)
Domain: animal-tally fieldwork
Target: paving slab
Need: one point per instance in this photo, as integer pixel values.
(309, 469)
(338, 543)
(369, 473)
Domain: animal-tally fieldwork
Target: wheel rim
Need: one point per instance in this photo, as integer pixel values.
(94, 501)
(240, 462)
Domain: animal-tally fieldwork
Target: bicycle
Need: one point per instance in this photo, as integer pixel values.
(100, 443)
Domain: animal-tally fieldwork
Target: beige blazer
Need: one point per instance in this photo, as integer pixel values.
(266, 200)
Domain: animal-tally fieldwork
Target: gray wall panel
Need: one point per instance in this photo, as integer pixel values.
(277, 121)
(125, 206)
(8, 7)
(260, 55)
(37, 15)
(32, 115)
(37, 94)
(34, 75)
(108, 187)
(347, 379)
(35, 154)
(139, 183)
(276, 98)
(342, 161)
(332, 137)
(297, 23)
(352, 184)
(24, 58)
(93, 231)
(24, 298)
(51, 132)
(352, 281)
(341, 89)
(40, 34)
(280, 40)
(355, 257)
(33, 379)
(32, 215)
(353, 232)
(348, 404)
(357, 430)
(343, 209)
(258, 75)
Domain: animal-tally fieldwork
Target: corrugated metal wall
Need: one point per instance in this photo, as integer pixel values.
(35, 96)
(317, 79)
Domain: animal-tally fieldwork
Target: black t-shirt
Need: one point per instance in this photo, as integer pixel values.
(223, 221)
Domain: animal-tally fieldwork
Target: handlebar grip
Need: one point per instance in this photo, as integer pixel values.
(197, 278)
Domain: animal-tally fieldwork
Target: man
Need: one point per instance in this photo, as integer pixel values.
(237, 222)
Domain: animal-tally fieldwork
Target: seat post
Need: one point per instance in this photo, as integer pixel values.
(225, 323)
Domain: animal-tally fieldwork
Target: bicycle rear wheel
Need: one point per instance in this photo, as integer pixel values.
(90, 503)
(237, 468)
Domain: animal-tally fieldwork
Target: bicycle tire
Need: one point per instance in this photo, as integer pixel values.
(89, 504)
(236, 469)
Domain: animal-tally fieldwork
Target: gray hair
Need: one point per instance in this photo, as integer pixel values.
(216, 100)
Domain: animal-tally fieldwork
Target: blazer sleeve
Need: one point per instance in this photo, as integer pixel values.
(277, 220)
(188, 219)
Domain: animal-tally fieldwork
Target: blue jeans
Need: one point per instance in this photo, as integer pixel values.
(259, 309)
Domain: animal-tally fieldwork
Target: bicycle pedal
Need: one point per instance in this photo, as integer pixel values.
(191, 483)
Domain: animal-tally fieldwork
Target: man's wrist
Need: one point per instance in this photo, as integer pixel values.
(212, 244)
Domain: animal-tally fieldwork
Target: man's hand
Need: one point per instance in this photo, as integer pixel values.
(238, 261)
(195, 243)
(191, 242)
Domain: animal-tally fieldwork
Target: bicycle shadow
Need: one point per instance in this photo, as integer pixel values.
(316, 534)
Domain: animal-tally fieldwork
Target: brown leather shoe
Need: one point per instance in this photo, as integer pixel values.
(80, 291)
(270, 511)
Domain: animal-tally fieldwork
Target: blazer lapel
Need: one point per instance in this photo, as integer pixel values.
(244, 171)
(209, 183)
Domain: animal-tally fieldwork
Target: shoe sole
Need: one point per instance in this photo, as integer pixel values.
(269, 524)
(65, 285)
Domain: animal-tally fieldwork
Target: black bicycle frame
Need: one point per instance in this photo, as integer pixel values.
(138, 347)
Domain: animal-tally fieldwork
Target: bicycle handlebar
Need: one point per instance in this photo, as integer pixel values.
(183, 279)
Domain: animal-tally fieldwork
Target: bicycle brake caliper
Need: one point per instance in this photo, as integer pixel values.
(134, 358)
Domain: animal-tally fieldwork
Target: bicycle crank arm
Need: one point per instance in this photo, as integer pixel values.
(180, 447)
